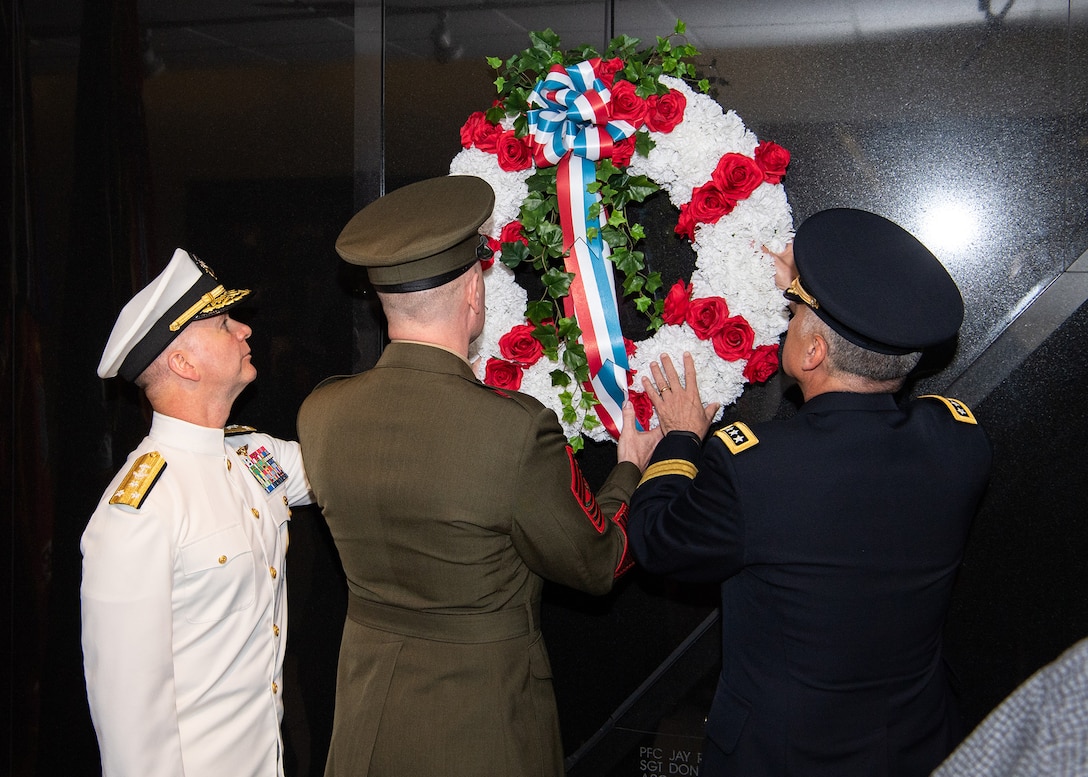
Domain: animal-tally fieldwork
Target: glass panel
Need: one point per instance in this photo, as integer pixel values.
(959, 121)
(436, 73)
(244, 135)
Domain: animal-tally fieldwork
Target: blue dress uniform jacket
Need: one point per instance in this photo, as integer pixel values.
(836, 536)
(184, 603)
(449, 502)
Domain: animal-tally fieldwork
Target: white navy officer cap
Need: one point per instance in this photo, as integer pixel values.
(186, 291)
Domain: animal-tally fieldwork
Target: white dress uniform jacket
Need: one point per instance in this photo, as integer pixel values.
(184, 603)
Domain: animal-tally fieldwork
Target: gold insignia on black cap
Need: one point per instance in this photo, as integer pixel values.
(420, 236)
(877, 285)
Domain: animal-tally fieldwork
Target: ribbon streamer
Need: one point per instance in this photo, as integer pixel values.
(572, 130)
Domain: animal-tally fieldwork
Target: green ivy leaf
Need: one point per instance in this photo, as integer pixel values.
(514, 254)
(538, 310)
(574, 359)
(616, 238)
(568, 329)
(605, 170)
(557, 282)
(629, 262)
(588, 402)
(546, 335)
(640, 187)
(550, 237)
(644, 144)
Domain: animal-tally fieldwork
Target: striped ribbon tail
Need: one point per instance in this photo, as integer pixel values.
(592, 297)
(571, 129)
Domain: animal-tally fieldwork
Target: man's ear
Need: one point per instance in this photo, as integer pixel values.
(178, 363)
(473, 296)
(815, 352)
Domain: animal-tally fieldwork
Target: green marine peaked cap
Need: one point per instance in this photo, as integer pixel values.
(422, 235)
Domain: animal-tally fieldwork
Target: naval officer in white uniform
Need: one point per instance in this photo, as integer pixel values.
(184, 592)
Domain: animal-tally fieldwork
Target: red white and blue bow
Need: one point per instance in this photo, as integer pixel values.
(571, 129)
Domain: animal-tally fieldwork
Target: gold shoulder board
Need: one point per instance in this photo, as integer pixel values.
(139, 481)
(959, 410)
(737, 437)
(235, 429)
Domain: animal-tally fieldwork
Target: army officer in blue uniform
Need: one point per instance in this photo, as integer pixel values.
(836, 534)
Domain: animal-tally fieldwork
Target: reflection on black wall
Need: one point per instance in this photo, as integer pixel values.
(1022, 594)
(277, 237)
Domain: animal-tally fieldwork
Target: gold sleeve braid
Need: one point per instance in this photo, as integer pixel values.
(669, 467)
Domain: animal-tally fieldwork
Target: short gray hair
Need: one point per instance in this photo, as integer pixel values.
(844, 356)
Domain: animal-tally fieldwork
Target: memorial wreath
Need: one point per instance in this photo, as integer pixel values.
(574, 138)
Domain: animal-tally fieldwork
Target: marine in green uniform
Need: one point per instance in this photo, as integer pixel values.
(450, 501)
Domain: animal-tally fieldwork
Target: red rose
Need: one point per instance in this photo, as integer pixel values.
(773, 160)
(519, 346)
(478, 131)
(644, 410)
(762, 364)
(511, 233)
(709, 203)
(676, 303)
(629, 347)
(737, 176)
(627, 106)
(623, 151)
(685, 225)
(734, 339)
(606, 69)
(502, 374)
(665, 111)
(707, 315)
(514, 153)
(469, 128)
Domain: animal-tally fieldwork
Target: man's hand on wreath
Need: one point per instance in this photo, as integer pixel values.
(676, 398)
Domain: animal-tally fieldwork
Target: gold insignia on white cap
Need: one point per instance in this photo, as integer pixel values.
(185, 291)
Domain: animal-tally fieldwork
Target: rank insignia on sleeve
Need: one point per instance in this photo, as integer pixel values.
(737, 437)
(959, 410)
(263, 467)
(139, 481)
(670, 467)
(584, 495)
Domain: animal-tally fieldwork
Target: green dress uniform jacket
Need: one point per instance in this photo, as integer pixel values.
(449, 502)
